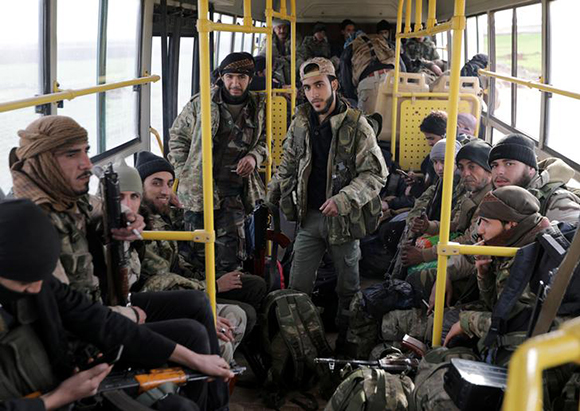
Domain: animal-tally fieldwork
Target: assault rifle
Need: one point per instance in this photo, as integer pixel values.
(140, 381)
(117, 261)
(395, 365)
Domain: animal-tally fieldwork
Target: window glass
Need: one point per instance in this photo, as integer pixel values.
(185, 74)
(496, 135)
(530, 68)
(563, 110)
(441, 40)
(482, 39)
(503, 58)
(20, 68)
(238, 36)
(77, 34)
(247, 43)
(122, 105)
(471, 38)
(225, 39)
(156, 96)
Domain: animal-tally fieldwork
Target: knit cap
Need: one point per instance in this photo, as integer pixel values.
(129, 178)
(476, 151)
(438, 150)
(148, 163)
(515, 147)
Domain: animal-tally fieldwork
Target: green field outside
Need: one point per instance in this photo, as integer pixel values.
(529, 52)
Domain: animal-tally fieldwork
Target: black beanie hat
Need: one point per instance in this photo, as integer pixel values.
(238, 63)
(148, 163)
(29, 243)
(476, 151)
(515, 147)
(383, 25)
(318, 27)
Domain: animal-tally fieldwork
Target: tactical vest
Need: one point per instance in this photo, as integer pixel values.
(544, 193)
(25, 367)
(366, 49)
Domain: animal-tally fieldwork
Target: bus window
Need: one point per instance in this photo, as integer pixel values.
(185, 72)
(503, 60)
(529, 37)
(77, 35)
(20, 67)
(562, 110)
(471, 32)
(225, 45)
(156, 107)
(482, 38)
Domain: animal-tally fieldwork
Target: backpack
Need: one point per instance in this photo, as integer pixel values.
(371, 389)
(292, 337)
(366, 49)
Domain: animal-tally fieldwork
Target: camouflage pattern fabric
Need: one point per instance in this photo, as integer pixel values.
(362, 56)
(397, 323)
(371, 389)
(185, 148)
(289, 186)
(310, 48)
(362, 335)
(281, 60)
(425, 49)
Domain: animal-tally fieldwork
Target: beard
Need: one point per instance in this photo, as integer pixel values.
(523, 181)
(161, 210)
(327, 105)
(230, 99)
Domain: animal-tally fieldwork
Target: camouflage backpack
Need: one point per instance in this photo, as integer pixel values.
(368, 48)
(292, 337)
(371, 389)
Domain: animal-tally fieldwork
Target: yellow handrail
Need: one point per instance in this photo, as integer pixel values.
(531, 84)
(158, 137)
(71, 94)
(524, 384)
(199, 236)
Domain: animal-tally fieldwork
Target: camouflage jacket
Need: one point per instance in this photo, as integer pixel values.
(186, 153)
(75, 265)
(281, 61)
(310, 48)
(360, 149)
(276, 48)
(421, 49)
(163, 267)
(562, 205)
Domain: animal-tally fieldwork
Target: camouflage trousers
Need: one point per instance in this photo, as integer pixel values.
(237, 317)
(230, 244)
(368, 90)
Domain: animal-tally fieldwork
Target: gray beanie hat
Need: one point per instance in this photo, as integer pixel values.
(129, 178)
(438, 150)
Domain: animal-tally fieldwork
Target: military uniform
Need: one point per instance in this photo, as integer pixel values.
(281, 52)
(425, 49)
(311, 48)
(234, 196)
(356, 172)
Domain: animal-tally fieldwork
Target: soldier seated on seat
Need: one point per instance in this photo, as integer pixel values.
(52, 168)
(281, 51)
(40, 317)
(157, 265)
(316, 45)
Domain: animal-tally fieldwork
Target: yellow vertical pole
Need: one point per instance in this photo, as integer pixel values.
(418, 15)
(283, 10)
(293, 56)
(248, 13)
(395, 103)
(452, 110)
(408, 16)
(431, 20)
(269, 42)
(203, 28)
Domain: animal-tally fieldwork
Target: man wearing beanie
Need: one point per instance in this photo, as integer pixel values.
(52, 168)
(316, 45)
(40, 317)
(281, 50)
(327, 184)
(158, 266)
(239, 147)
(513, 162)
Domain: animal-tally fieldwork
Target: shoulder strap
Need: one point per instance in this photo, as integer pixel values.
(546, 193)
(371, 48)
(288, 320)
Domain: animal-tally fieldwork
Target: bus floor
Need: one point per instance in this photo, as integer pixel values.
(246, 394)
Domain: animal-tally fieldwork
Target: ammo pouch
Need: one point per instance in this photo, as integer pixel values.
(288, 198)
(365, 221)
(25, 367)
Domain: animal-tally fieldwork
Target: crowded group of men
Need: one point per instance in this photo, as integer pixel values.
(334, 182)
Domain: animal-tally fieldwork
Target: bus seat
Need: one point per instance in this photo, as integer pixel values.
(408, 82)
(279, 128)
(413, 147)
(467, 85)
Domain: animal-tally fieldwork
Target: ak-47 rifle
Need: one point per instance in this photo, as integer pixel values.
(117, 261)
(141, 380)
(396, 365)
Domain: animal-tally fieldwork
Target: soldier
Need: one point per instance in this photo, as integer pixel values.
(332, 169)
(281, 50)
(384, 29)
(40, 317)
(52, 168)
(347, 29)
(239, 147)
(421, 48)
(158, 266)
(314, 46)
(513, 162)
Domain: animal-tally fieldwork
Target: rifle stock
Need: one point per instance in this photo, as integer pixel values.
(117, 261)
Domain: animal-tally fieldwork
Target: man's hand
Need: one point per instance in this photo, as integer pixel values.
(384, 205)
(229, 281)
(329, 208)
(174, 200)
(411, 255)
(246, 166)
(410, 178)
(224, 329)
(455, 331)
(212, 365)
(448, 295)
(482, 264)
(136, 225)
(81, 385)
(420, 224)
(141, 315)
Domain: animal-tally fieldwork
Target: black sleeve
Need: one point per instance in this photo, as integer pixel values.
(106, 329)
(346, 74)
(402, 202)
(23, 405)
